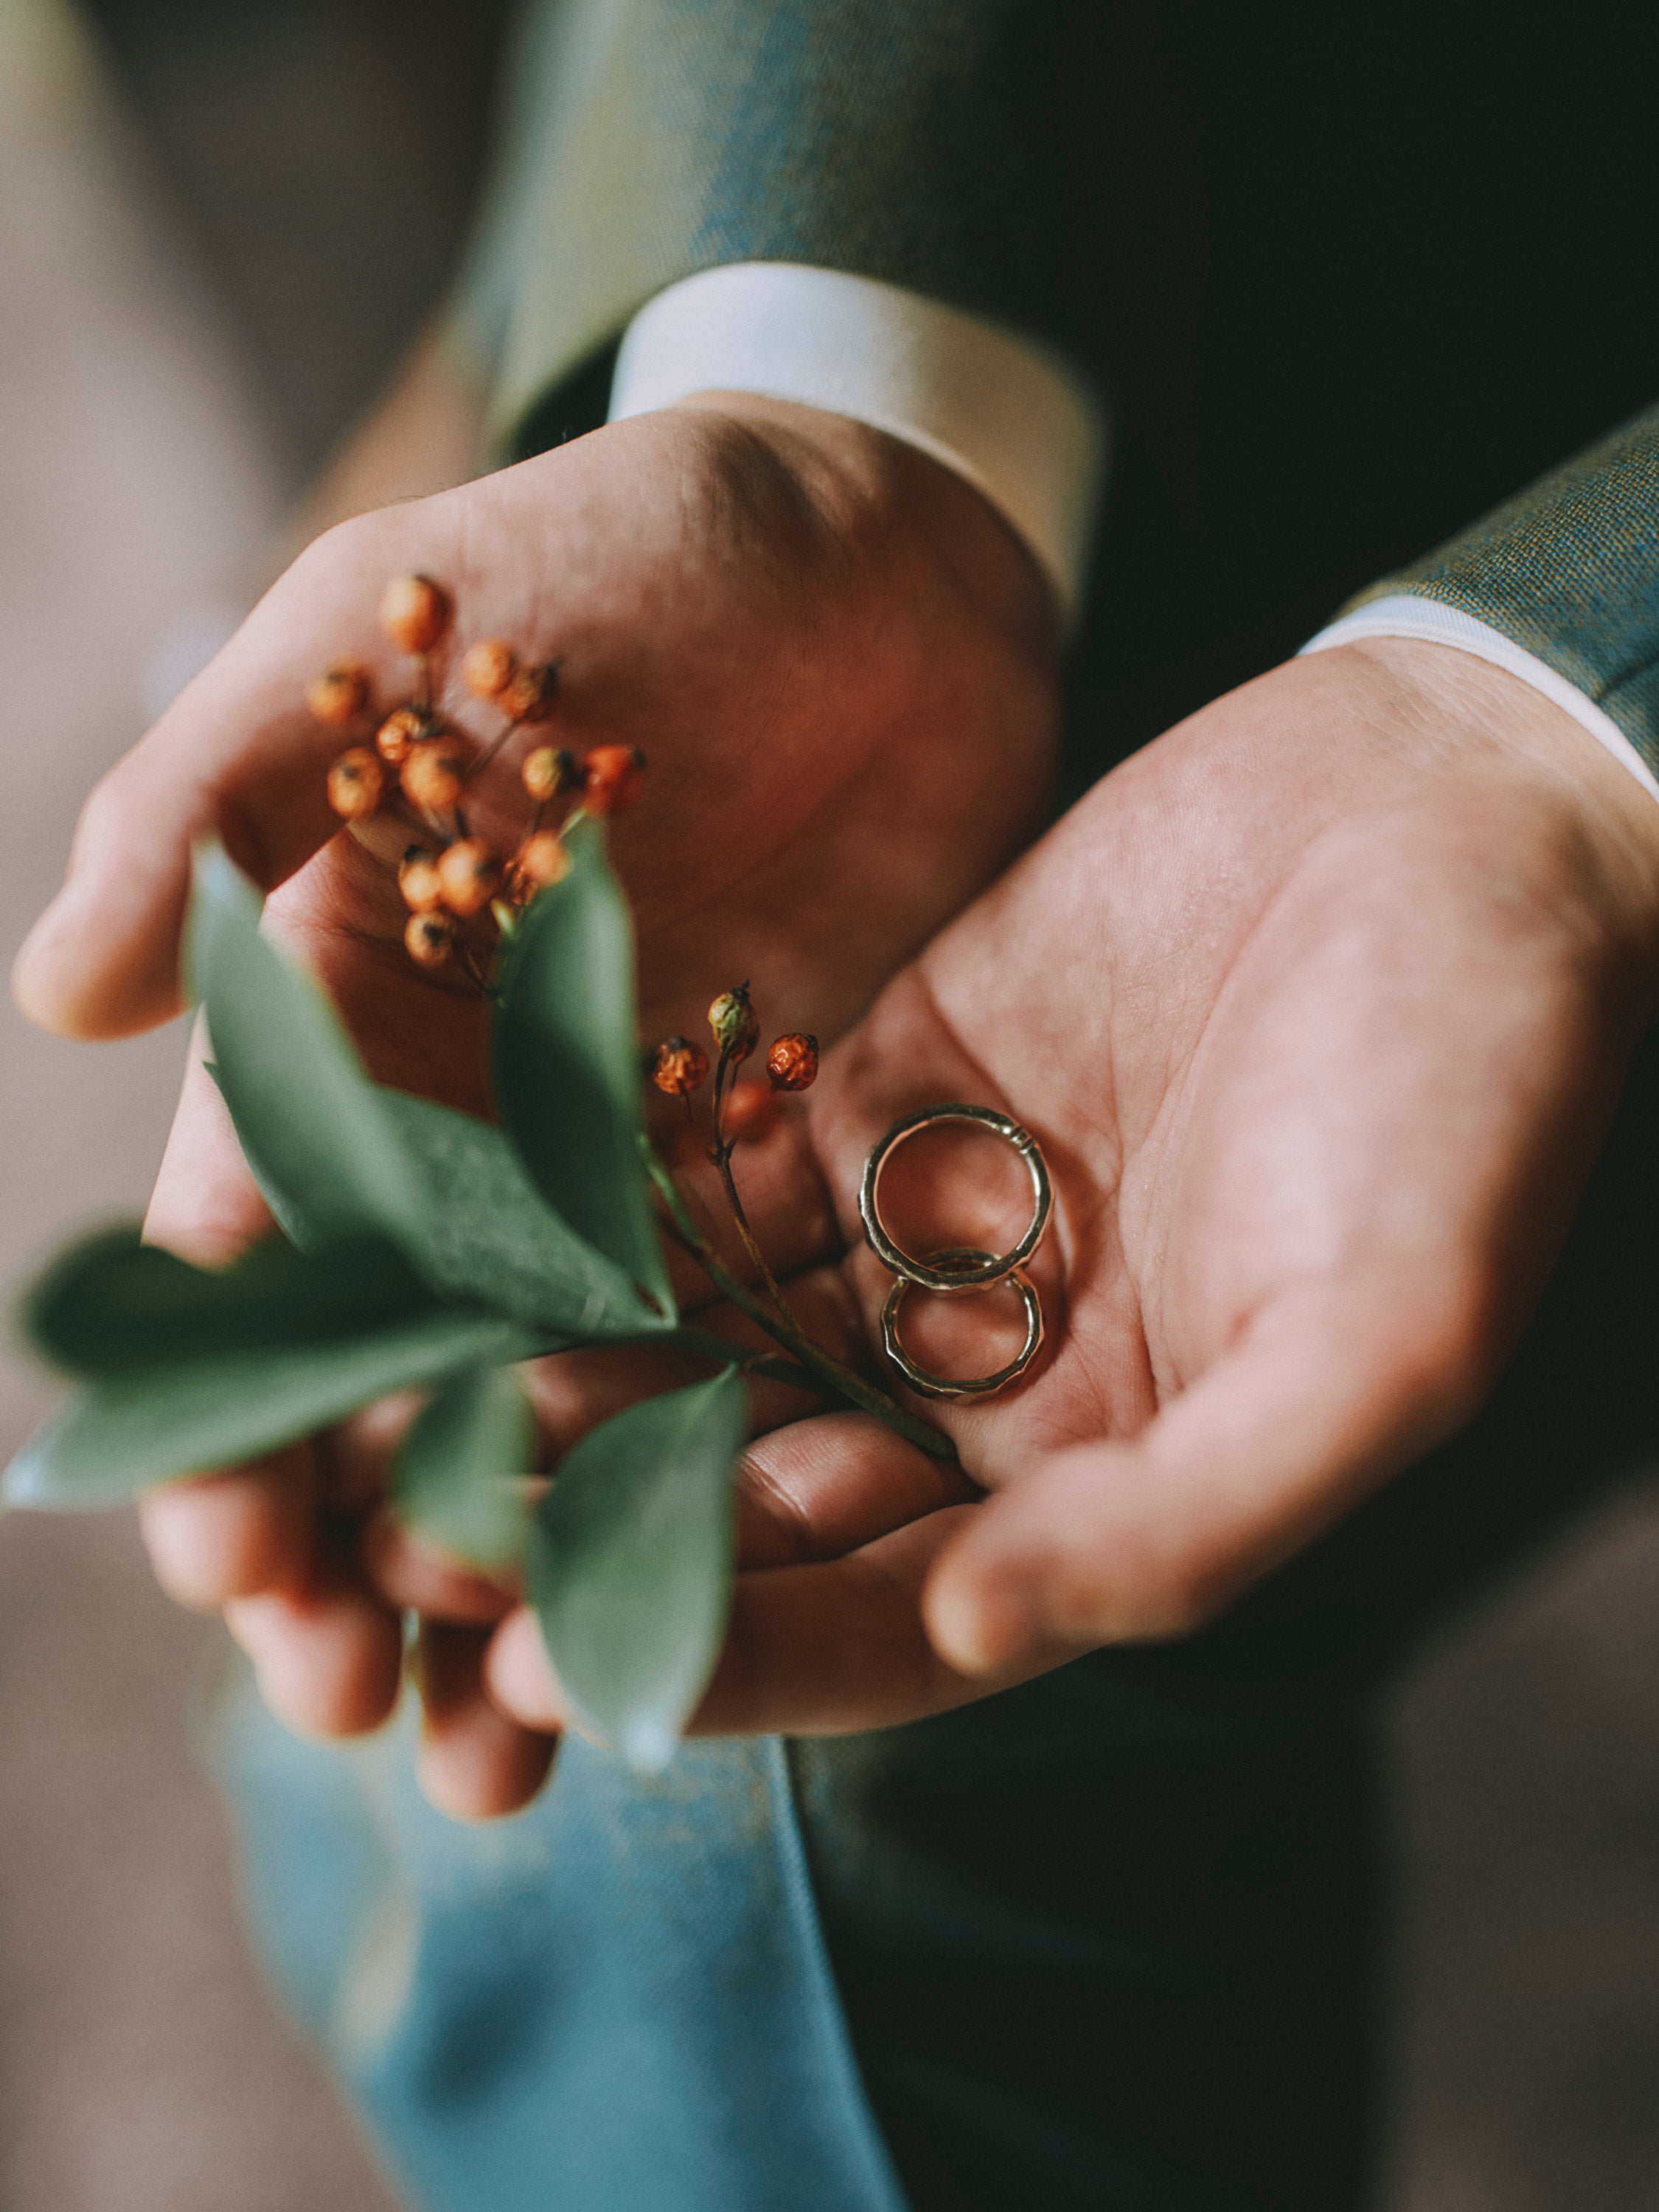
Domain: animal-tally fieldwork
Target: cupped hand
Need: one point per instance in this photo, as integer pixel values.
(1318, 1007)
(841, 666)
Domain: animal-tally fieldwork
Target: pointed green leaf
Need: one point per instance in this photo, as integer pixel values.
(115, 1302)
(310, 1122)
(125, 1431)
(333, 1153)
(461, 1478)
(486, 1235)
(568, 1062)
(630, 1560)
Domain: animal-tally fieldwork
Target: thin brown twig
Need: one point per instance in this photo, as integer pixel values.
(490, 751)
(841, 1379)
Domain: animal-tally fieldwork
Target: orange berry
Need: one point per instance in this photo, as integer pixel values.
(339, 693)
(429, 939)
(468, 873)
(540, 863)
(404, 727)
(752, 1110)
(417, 879)
(679, 1067)
(529, 693)
(735, 1023)
(414, 612)
(433, 775)
(615, 778)
(355, 782)
(488, 667)
(548, 771)
(793, 1062)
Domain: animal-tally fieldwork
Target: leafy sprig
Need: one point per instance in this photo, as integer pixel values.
(422, 1249)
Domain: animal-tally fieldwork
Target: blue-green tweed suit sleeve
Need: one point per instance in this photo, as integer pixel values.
(1569, 569)
(649, 139)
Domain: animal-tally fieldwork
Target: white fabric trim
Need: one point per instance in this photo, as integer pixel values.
(1401, 615)
(1001, 410)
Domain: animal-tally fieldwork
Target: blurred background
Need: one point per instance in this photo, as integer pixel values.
(221, 227)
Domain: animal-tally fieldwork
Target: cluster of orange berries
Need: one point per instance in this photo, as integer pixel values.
(419, 766)
(679, 1067)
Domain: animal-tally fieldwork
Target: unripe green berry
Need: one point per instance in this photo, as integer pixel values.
(735, 1023)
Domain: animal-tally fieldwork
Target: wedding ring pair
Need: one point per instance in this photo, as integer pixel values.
(957, 1270)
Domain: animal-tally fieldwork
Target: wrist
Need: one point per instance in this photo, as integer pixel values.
(890, 499)
(1482, 712)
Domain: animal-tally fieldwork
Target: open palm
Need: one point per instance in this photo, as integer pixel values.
(1318, 1008)
(840, 663)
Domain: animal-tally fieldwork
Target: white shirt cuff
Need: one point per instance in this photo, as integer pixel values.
(1401, 615)
(1001, 410)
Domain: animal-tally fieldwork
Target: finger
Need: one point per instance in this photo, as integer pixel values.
(810, 1650)
(412, 1575)
(1327, 1392)
(474, 1763)
(821, 1488)
(328, 1657)
(213, 1538)
(838, 1519)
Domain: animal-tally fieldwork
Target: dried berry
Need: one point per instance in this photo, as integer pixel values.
(417, 879)
(735, 1023)
(793, 1062)
(548, 772)
(615, 780)
(433, 775)
(529, 693)
(404, 727)
(540, 862)
(749, 1112)
(679, 1067)
(468, 874)
(488, 667)
(414, 612)
(429, 939)
(339, 693)
(355, 782)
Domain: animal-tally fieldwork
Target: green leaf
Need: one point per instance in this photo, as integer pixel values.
(311, 1124)
(128, 1429)
(630, 1561)
(461, 1478)
(334, 1152)
(486, 1235)
(568, 1062)
(115, 1302)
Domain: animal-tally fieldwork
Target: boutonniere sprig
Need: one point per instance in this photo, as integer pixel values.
(424, 1249)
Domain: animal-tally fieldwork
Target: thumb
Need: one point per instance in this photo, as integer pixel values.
(238, 755)
(1329, 1389)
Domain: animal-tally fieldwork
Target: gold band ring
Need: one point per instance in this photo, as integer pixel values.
(921, 1379)
(989, 1267)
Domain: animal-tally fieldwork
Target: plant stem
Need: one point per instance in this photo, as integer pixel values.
(723, 1162)
(784, 1330)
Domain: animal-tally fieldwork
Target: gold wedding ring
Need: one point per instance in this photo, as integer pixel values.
(958, 1270)
(995, 1265)
(979, 1386)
